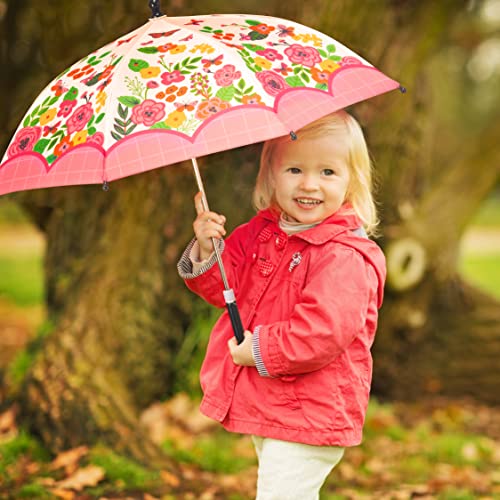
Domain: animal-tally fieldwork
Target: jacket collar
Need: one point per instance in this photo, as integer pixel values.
(344, 219)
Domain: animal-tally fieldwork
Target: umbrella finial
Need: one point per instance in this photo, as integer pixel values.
(105, 186)
(154, 5)
(402, 89)
(293, 135)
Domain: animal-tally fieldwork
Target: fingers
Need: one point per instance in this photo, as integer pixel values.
(198, 203)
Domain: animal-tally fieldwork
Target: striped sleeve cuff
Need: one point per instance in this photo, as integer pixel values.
(185, 265)
(259, 363)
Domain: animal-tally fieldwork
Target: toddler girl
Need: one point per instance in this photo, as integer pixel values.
(308, 283)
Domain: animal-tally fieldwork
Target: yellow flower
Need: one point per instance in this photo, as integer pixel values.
(263, 62)
(178, 49)
(80, 137)
(309, 38)
(329, 66)
(48, 116)
(101, 97)
(175, 119)
(151, 72)
(203, 48)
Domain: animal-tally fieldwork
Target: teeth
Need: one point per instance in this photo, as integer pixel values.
(308, 202)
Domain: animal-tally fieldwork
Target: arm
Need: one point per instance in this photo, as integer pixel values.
(205, 279)
(330, 315)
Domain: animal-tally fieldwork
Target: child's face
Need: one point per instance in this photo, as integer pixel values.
(311, 177)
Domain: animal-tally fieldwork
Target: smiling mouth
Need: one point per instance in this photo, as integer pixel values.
(308, 201)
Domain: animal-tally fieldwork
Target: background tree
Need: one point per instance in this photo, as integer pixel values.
(118, 311)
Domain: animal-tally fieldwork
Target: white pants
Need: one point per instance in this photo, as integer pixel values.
(293, 471)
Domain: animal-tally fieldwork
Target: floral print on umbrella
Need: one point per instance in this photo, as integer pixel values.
(175, 80)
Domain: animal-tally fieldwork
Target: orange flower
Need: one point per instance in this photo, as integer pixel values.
(182, 91)
(211, 107)
(160, 95)
(320, 76)
(171, 89)
(263, 29)
(252, 99)
(171, 98)
(63, 146)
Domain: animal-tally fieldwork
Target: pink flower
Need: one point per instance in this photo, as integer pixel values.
(270, 54)
(225, 76)
(211, 107)
(65, 108)
(148, 112)
(348, 60)
(299, 54)
(152, 85)
(24, 140)
(97, 138)
(273, 83)
(172, 77)
(79, 118)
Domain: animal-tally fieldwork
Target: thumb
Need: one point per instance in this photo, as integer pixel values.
(198, 203)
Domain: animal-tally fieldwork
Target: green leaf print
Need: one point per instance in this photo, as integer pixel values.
(226, 93)
(92, 130)
(253, 47)
(294, 81)
(41, 145)
(322, 86)
(331, 48)
(161, 125)
(255, 35)
(252, 22)
(137, 64)
(322, 53)
(149, 50)
(100, 118)
(71, 94)
(122, 112)
(115, 136)
(129, 101)
(54, 100)
(51, 159)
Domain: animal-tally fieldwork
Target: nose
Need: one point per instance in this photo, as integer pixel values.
(309, 182)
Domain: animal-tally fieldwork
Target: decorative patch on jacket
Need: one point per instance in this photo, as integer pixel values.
(296, 258)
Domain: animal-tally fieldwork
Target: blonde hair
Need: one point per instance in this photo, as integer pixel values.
(359, 191)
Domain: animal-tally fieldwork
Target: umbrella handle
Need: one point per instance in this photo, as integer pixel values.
(228, 292)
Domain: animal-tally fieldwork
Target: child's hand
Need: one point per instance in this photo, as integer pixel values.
(207, 225)
(242, 354)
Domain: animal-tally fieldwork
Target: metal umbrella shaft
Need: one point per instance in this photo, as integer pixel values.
(228, 292)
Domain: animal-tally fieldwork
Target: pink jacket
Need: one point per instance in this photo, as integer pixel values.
(312, 299)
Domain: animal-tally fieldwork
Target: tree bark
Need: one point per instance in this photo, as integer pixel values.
(118, 308)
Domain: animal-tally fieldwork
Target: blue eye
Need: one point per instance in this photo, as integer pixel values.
(328, 171)
(294, 170)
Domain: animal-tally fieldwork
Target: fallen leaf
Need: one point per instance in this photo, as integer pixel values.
(64, 494)
(87, 476)
(69, 457)
(169, 478)
(8, 420)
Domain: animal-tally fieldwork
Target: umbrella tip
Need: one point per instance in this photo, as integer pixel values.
(402, 89)
(105, 186)
(154, 5)
(293, 135)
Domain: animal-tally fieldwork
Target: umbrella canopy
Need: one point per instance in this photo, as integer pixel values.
(178, 88)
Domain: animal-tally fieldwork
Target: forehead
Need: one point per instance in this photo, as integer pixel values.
(331, 147)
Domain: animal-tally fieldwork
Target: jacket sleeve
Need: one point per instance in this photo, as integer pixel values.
(207, 283)
(331, 313)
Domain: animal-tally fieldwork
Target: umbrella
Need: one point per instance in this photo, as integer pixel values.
(178, 88)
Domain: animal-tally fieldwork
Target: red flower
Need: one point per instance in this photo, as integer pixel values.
(348, 60)
(273, 83)
(24, 140)
(225, 76)
(299, 54)
(172, 77)
(148, 112)
(65, 108)
(263, 29)
(270, 54)
(64, 146)
(152, 85)
(79, 118)
(97, 138)
(211, 107)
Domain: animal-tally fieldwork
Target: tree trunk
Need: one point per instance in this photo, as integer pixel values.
(118, 308)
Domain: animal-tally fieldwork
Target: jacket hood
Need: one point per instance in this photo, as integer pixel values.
(340, 227)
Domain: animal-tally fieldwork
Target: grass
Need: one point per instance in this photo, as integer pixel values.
(483, 271)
